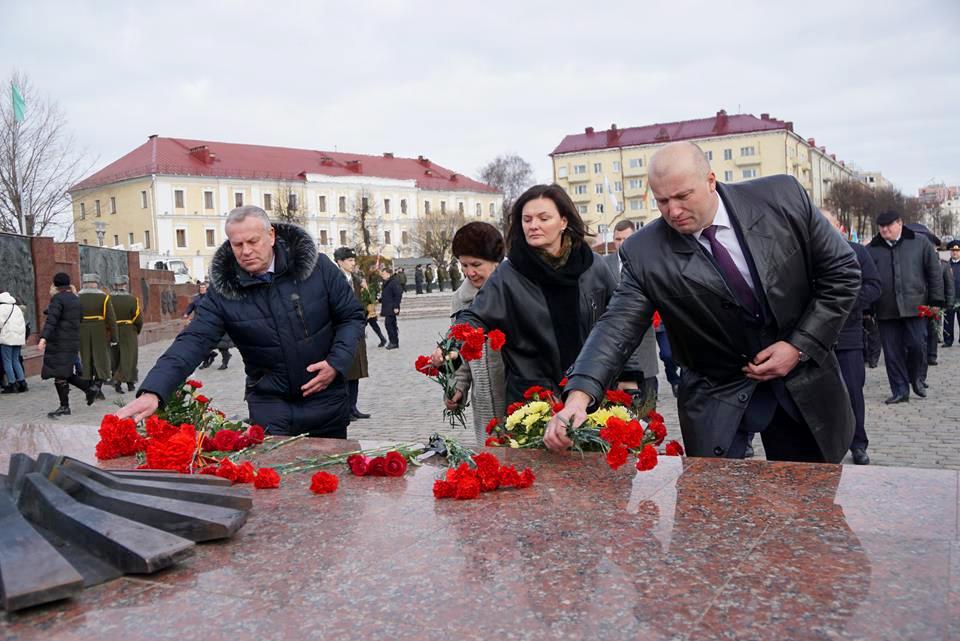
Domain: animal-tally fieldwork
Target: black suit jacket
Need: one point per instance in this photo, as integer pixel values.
(809, 279)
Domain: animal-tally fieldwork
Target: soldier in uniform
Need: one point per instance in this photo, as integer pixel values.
(98, 330)
(129, 323)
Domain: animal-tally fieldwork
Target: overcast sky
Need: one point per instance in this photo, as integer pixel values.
(461, 82)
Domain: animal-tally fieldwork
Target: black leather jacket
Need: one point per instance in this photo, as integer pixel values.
(514, 304)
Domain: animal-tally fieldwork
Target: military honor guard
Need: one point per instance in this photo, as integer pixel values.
(98, 330)
(126, 306)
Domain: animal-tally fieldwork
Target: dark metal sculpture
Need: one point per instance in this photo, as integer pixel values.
(66, 525)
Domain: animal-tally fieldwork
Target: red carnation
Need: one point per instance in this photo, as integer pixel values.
(266, 479)
(558, 406)
(647, 460)
(462, 471)
(467, 488)
(526, 479)
(489, 482)
(246, 473)
(195, 384)
(210, 470)
(497, 340)
(444, 489)
(256, 434)
(395, 464)
(202, 399)
(656, 320)
(471, 352)
(228, 470)
(118, 438)
(674, 449)
(359, 464)
(243, 442)
(158, 428)
(514, 407)
(654, 417)
(378, 467)
(536, 389)
(509, 476)
(225, 441)
(563, 382)
(175, 453)
(492, 441)
(324, 483)
(492, 424)
(659, 430)
(619, 396)
(462, 331)
(423, 365)
(486, 462)
(617, 455)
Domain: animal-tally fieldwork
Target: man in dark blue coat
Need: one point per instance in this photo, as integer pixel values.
(851, 344)
(951, 312)
(293, 318)
(390, 297)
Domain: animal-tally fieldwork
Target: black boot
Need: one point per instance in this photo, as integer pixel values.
(208, 361)
(63, 393)
(119, 388)
(60, 411)
(22, 386)
(93, 392)
(9, 389)
(224, 359)
(130, 387)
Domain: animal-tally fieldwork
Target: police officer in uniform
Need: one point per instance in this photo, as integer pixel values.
(98, 330)
(125, 351)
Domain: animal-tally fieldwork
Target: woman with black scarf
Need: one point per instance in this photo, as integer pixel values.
(550, 270)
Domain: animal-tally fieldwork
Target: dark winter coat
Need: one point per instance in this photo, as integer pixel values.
(910, 274)
(306, 314)
(955, 270)
(808, 278)
(852, 335)
(949, 285)
(516, 305)
(62, 333)
(358, 369)
(391, 296)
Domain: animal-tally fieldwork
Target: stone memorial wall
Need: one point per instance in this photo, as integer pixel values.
(17, 274)
(108, 263)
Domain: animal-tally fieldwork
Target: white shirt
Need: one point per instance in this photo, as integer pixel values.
(727, 237)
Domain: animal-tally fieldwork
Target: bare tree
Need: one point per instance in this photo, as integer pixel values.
(850, 201)
(287, 207)
(511, 175)
(39, 162)
(433, 234)
(366, 221)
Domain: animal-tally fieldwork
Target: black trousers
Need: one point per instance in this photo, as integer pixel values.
(353, 391)
(784, 439)
(393, 332)
(904, 351)
(854, 373)
(949, 315)
(375, 326)
(874, 344)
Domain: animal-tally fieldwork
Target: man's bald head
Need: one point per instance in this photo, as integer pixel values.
(679, 157)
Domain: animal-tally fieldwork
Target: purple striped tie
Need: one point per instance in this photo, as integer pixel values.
(730, 273)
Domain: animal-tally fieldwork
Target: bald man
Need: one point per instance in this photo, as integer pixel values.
(753, 285)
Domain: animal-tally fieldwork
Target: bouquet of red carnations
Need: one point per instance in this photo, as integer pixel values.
(462, 344)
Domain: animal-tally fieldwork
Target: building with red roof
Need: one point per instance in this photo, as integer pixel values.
(169, 197)
(605, 171)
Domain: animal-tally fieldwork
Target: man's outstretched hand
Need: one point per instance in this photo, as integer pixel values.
(141, 408)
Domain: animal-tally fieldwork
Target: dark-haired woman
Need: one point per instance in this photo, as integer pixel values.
(479, 249)
(60, 343)
(549, 272)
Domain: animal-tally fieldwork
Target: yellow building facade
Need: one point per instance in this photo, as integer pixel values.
(605, 172)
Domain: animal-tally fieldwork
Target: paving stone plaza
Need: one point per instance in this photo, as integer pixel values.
(407, 406)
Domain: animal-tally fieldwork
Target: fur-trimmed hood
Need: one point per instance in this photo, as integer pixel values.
(296, 257)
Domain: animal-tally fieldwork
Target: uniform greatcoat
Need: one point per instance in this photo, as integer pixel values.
(98, 328)
(129, 323)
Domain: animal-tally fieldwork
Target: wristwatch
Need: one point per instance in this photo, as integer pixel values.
(804, 357)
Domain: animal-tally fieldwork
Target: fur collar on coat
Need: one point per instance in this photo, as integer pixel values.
(293, 241)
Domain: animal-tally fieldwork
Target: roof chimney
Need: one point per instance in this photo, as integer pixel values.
(721, 122)
(423, 160)
(764, 116)
(388, 154)
(812, 142)
(789, 125)
(613, 127)
(663, 135)
(588, 130)
(151, 136)
(354, 166)
(203, 154)
(454, 177)
(833, 156)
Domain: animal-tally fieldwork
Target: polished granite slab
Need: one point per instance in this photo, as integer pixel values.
(695, 549)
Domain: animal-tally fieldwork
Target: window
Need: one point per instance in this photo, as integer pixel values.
(597, 168)
(292, 202)
(426, 207)
(116, 240)
(618, 206)
(322, 204)
(342, 204)
(748, 151)
(386, 237)
(599, 208)
(211, 237)
(208, 200)
(582, 209)
(562, 171)
(636, 163)
(443, 207)
(268, 202)
(493, 209)
(579, 169)
(323, 235)
(727, 154)
(130, 238)
(113, 208)
(479, 209)
(146, 239)
(636, 183)
(599, 188)
(460, 208)
(727, 176)
(386, 205)
(708, 154)
(616, 166)
(580, 189)
(343, 236)
(618, 186)
(636, 203)
(749, 173)
(181, 238)
(143, 199)
(96, 208)
(403, 206)
(178, 198)
(83, 211)
(238, 199)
